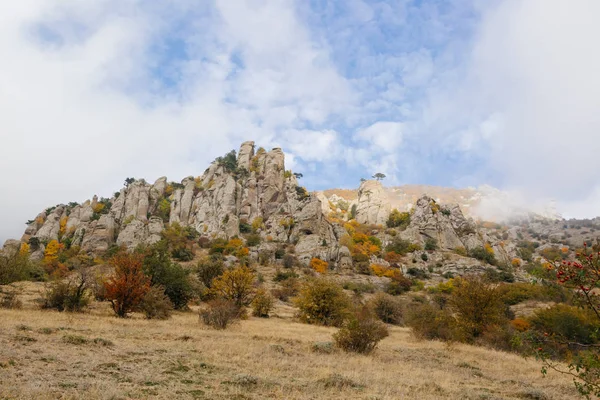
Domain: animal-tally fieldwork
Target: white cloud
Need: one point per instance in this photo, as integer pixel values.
(311, 145)
(383, 136)
(535, 67)
(81, 109)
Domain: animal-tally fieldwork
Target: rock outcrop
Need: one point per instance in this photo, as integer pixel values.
(373, 205)
(251, 191)
(232, 194)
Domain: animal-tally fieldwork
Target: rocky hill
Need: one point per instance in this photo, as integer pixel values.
(484, 202)
(251, 192)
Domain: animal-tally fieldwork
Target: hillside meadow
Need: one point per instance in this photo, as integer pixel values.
(93, 355)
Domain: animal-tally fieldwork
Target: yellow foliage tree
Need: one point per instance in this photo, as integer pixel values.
(24, 249)
(63, 224)
(235, 285)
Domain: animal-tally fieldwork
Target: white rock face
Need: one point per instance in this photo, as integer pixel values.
(373, 204)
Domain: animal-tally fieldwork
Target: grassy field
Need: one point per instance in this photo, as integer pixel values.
(51, 355)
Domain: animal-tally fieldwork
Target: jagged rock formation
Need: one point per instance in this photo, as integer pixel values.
(444, 223)
(373, 205)
(252, 190)
(232, 193)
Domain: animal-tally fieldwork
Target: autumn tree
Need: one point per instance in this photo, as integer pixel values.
(476, 305)
(582, 276)
(127, 287)
(235, 285)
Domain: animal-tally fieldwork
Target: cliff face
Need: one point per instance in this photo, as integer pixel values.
(253, 188)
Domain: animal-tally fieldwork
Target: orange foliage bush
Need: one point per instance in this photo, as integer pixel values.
(319, 265)
(520, 324)
(127, 288)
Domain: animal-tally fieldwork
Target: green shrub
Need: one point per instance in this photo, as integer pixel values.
(499, 275)
(387, 308)
(569, 323)
(262, 304)
(398, 284)
(322, 302)
(359, 287)
(401, 246)
(245, 227)
(431, 244)
(156, 304)
(279, 253)
(482, 254)
(281, 276)
(253, 240)
(209, 269)
(219, 313)
(18, 267)
(183, 254)
(398, 219)
(361, 332)
(217, 246)
(171, 276)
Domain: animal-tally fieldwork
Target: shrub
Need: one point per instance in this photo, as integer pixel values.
(402, 247)
(253, 240)
(520, 324)
(387, 308)
(183, 254)
(361, 332)
(398, 219)
(483, 254)
(209, 269)
(322, 302)
(219, 313)
(262, 304)
(431, 244)
(499, 275)
(235, 285)
(173, 278)
(281, 276)
(289, 288)
(128, 286)
(289, 261)
(69, 295)
(156, 304)
(18, 267)
(476, 305)
(568, 323)
(461, 251)
(279, 253)
(319, 265)
(430, 323)
(399, 284)
(359, 287)
(217, 246)
(9, 298)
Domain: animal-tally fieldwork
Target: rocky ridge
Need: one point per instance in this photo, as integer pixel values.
(252, 188)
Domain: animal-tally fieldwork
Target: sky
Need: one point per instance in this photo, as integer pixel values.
(443, 92)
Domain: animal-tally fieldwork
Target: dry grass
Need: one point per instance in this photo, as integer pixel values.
(51, 355)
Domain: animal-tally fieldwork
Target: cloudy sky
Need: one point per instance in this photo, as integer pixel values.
(445, 92)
